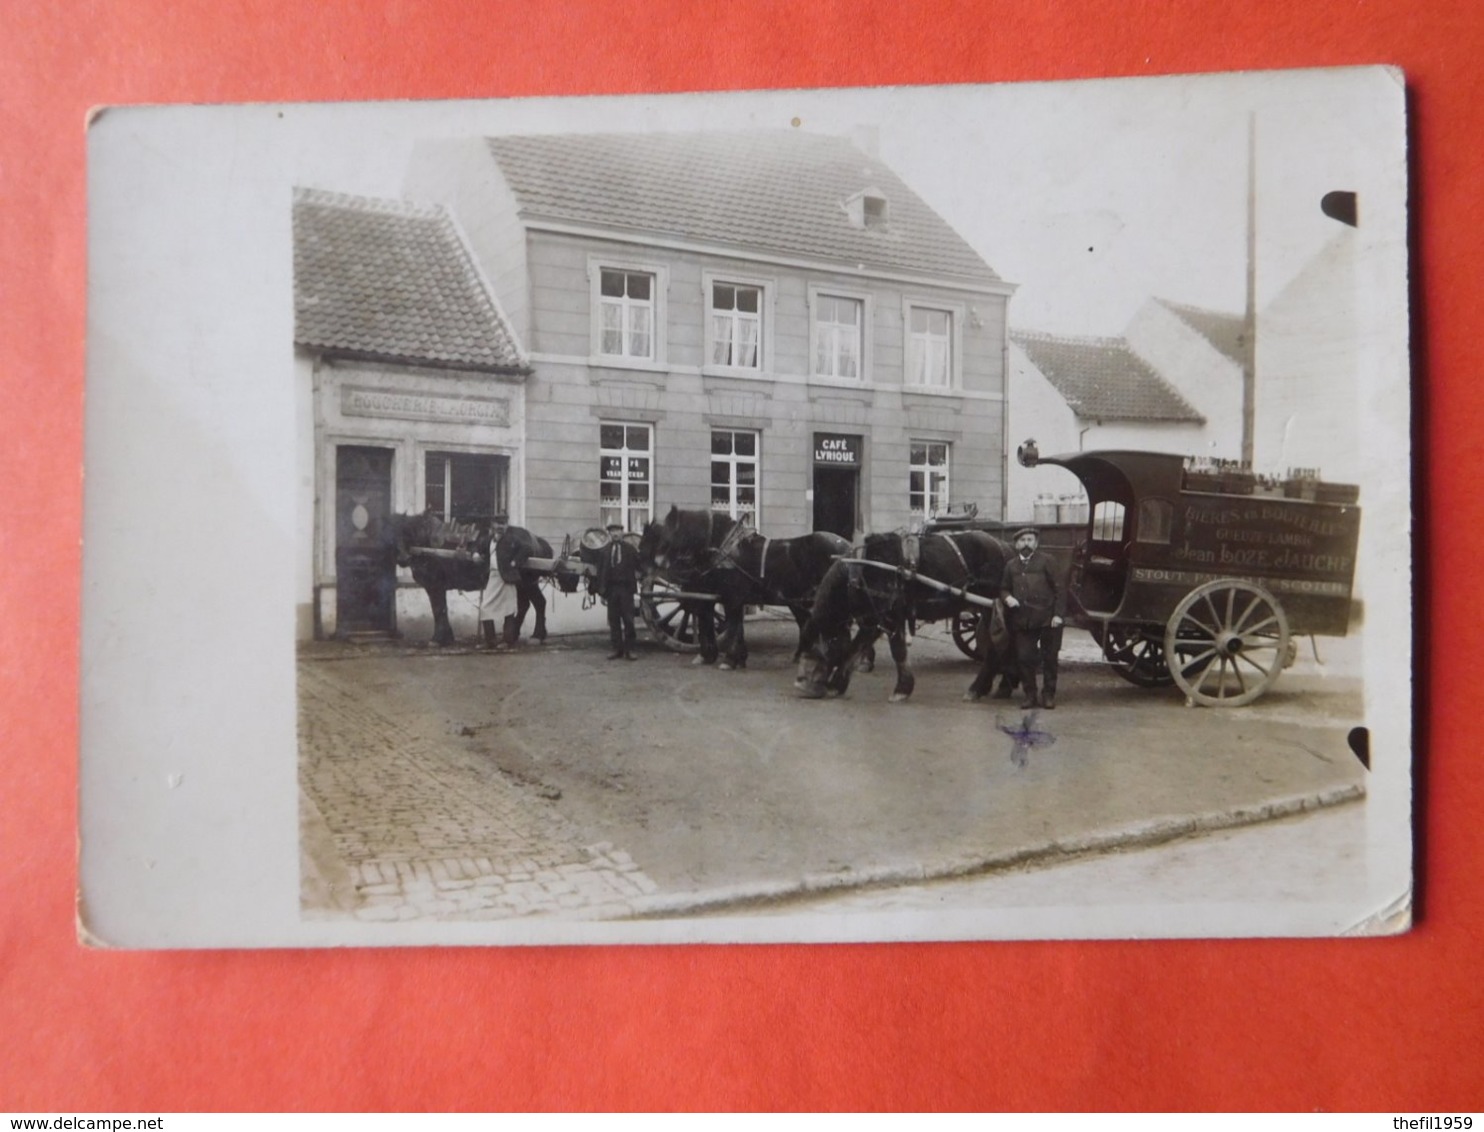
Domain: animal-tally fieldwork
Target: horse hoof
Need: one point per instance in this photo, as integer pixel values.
(972, 697)
(898, 698)
(698, 661)
(723, 666)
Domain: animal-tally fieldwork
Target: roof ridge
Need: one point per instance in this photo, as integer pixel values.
(763, 193)
(1069, 339)
(390, 206)
(1192, 308)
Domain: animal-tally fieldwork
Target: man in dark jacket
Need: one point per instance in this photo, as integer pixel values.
(1038, 603)
(618, 578)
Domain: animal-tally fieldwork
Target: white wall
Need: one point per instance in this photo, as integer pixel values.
(1037, 411)
(1199, 372)
(1308, 369)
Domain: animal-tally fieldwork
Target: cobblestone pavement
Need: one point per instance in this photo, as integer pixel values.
(375, 850)
(546, 783)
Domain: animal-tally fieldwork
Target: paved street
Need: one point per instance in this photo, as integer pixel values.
(455, 784)
(400, 826)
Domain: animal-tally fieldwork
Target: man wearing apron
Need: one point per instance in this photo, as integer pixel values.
(498, 599)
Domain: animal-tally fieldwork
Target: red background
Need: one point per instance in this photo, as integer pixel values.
(1371, 1024)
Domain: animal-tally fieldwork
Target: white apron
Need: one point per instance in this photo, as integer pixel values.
(498, 599)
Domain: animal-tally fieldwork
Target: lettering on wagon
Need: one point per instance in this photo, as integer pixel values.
(1265, 537)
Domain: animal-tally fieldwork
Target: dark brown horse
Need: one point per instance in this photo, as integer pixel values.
(710, 553)
(512, 550)
(443, 556)
(447, 556)
(881, 592)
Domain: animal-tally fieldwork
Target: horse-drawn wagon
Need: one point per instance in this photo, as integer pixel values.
(1201, 574)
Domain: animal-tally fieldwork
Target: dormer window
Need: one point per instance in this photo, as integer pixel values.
(867, 209)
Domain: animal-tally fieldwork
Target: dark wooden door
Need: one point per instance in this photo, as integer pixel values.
(835, 500)
(365, 561)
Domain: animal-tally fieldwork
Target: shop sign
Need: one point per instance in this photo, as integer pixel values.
(837, 451)
(359, 402)
(613, 467)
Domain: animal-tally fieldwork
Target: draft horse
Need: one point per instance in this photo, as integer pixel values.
(707, 552)
(512, 550)
(889, 599)
(446, 556)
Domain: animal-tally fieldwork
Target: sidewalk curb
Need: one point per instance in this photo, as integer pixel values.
(1140, 836)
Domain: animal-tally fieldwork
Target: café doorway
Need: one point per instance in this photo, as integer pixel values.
(836, 497)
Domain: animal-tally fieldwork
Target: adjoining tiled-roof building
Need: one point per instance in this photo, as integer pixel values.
(1102, 379)
(411, 380)
(769, 324)
(389, 281)
(1171, 383)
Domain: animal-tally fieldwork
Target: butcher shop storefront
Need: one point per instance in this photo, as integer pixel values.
(412, 400)
(397, 441)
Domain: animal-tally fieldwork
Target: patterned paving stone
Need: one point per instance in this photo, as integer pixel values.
(422, 832)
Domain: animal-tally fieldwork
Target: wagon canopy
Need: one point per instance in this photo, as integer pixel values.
(1125, 476)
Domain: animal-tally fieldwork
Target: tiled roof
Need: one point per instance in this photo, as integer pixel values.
(779, 192)
(1224, 331)
(393, 281)
(1102, 379)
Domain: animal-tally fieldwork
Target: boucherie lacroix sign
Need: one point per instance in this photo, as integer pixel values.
(837, 451)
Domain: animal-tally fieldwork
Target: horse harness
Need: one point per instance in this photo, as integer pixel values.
(911, 554)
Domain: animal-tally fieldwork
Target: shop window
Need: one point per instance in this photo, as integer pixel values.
(626, 458)
(465, 488)
(734, 474)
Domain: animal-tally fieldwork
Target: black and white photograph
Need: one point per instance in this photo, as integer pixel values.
(968, 512)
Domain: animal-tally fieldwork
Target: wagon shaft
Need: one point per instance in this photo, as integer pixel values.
(957, 591)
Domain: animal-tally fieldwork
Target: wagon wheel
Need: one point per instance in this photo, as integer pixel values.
(1226, 642)
(966, 631)
(1135, 652)
(670, 622)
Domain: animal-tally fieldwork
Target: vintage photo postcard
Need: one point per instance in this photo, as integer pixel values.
(922, 513)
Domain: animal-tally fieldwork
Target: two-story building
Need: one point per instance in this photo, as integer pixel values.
(769, 324)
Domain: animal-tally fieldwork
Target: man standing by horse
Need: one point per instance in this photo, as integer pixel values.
(497, 602)
(618, 578)
(1038, 605)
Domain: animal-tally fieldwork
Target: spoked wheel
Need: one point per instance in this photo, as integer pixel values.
(966, 631)
(670, 620)
(1136, 652)
(1226, 643)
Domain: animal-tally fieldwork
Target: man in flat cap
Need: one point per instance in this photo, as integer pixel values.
(618, 578)
(1037, 601)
